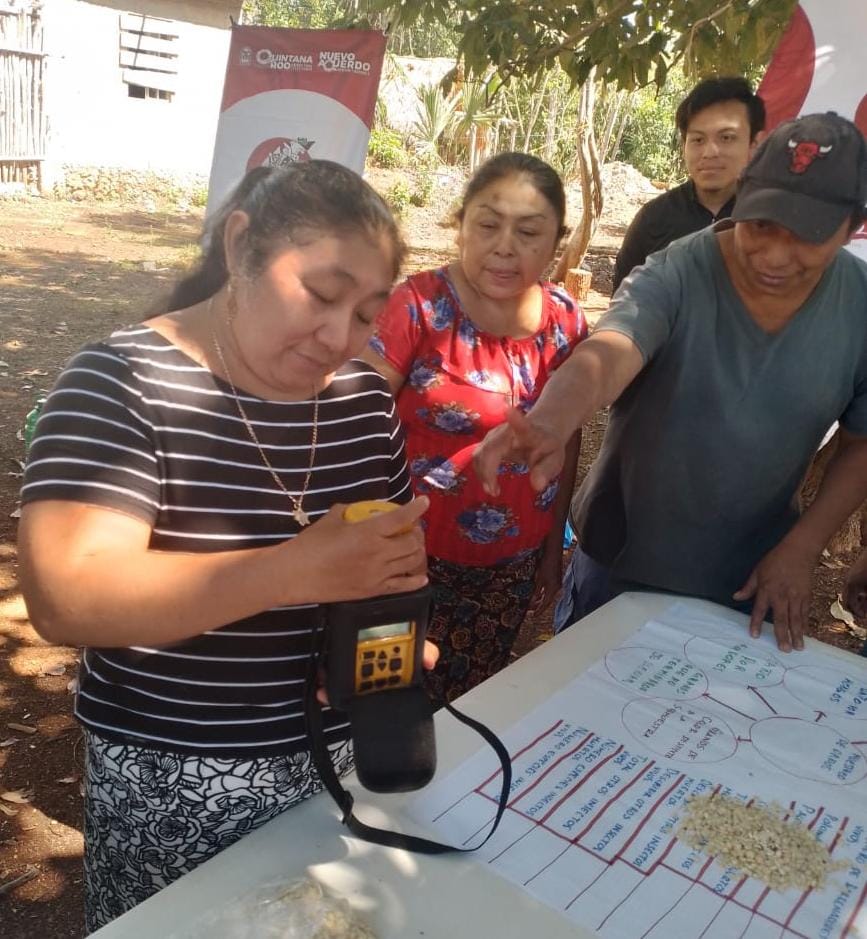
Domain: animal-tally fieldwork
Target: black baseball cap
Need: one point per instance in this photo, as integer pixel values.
(809, 175)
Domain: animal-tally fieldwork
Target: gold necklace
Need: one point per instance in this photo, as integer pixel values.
(298, 513)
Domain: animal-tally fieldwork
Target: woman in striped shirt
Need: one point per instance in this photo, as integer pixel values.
(182, 520)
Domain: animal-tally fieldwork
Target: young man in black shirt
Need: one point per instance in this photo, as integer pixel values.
(720, 121)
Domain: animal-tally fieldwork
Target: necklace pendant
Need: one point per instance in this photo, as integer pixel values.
(301, 516)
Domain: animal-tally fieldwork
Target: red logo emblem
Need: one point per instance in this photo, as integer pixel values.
(802, 153)
(281, 151)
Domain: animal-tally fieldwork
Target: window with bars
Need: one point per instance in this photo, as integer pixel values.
(148, 56)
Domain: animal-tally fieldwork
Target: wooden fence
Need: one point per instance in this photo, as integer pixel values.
(22, 114)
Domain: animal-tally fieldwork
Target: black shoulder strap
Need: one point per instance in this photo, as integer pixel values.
(391, 839)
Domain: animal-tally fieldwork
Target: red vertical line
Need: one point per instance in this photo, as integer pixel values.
(839, 835)
(797, 907)
(619, 793)
(581, 782)
(551, 768)
(648, 816)
(740, 884)
(819, 813)
(663, 856)
(761, 899)
(851, 921)
(703, 869)
(737, 903)
(592, 822)
(477, 790)
(518, 753)
(809, 890)
(580, 847)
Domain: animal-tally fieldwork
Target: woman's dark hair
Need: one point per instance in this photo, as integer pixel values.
(716, 90)
(544, 178)
(314, 197)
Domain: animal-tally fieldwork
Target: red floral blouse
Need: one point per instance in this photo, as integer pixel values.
(460, 382)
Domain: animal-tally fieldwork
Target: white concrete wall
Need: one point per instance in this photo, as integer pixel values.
(92, 119)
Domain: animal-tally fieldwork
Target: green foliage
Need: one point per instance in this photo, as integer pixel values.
(434, 118)
(425, 40)
(650, 141)
(386, 149)
(423, 189)
(298, 14)
(629, 42)
(399, 197)
(199, 196)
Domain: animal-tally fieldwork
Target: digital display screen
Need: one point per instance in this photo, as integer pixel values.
(387, 631)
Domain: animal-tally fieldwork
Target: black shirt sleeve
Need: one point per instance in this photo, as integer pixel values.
(637, 244)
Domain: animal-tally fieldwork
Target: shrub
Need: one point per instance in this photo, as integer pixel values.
(386, 149)
(651, 142)
(423, 190)
(199, 196)
(399, 198)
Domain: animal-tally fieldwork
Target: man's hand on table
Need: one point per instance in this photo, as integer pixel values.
(781, 584)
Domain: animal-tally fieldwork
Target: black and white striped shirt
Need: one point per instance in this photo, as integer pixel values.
(134, 424)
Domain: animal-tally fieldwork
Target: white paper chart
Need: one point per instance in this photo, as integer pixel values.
(602, 769)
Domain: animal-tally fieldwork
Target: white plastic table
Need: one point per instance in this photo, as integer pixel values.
(399, 894)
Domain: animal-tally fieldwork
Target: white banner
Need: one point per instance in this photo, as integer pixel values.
(293, 95)
(820, 65)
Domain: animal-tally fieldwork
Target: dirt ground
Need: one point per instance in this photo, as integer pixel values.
(74, 272)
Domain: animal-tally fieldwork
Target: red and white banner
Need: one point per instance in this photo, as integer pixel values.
(294, 95)
(821, 65)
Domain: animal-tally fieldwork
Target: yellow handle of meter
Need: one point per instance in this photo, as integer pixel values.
(382, 660)
(359, 511)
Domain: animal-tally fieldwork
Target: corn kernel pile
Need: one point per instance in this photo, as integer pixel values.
(758, 841)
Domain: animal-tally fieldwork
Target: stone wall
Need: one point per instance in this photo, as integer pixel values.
(144, 188)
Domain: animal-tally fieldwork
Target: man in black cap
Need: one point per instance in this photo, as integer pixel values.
(725, 360)
(720, 122)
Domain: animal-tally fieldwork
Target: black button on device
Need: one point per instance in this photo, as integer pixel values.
(367, 670)
(394, 679)
(369, 655)
(365, 686)
(380, 683)
(381, 666)
(395, 665)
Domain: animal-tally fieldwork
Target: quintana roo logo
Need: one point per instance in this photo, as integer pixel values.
(281, 151)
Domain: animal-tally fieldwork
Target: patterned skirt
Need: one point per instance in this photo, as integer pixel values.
(150, 816)
(476, 615)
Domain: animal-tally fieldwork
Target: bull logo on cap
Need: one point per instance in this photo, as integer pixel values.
(804, 152)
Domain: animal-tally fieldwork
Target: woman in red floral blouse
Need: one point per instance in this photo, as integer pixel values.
(460, 346)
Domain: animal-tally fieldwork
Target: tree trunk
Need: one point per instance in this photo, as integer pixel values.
(591, 185)
(610, 123)
(537, 100)
(552, 121)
